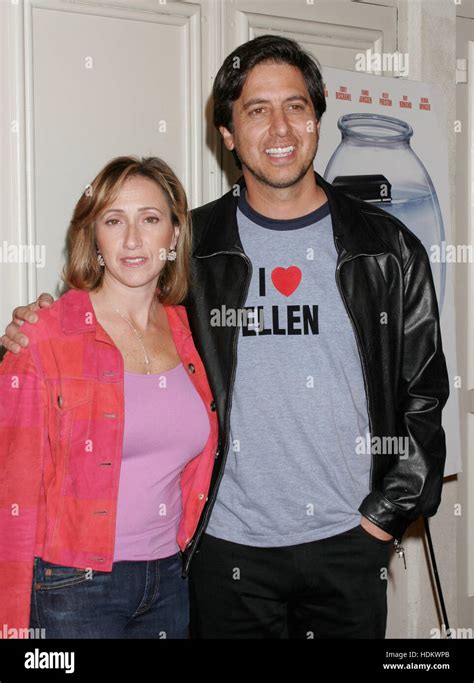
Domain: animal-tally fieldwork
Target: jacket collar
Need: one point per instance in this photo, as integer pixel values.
(353, 235)
(77, 316)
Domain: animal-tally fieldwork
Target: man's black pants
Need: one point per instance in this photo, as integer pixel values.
(332, 588)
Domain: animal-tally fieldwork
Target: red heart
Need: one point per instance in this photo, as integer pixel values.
(286, 280)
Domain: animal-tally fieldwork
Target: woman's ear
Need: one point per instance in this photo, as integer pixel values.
(175, 238)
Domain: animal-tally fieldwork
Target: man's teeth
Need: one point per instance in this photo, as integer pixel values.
(280, 151)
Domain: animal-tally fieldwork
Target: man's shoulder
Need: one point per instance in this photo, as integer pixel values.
(397, 237)
(388, 225)
(202, 214)
(206, 209)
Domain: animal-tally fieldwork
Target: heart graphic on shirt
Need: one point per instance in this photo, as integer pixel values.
(286, 280)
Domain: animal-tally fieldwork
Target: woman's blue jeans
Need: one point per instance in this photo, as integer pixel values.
(137, 599)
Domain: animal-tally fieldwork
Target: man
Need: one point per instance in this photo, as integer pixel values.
(316, 318)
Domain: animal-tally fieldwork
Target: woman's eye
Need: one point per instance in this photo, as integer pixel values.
(152, 219)
(112, 221)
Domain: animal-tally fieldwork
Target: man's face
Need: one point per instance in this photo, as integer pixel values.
(275, 132)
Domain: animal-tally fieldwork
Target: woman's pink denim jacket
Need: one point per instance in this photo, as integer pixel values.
(61, 431)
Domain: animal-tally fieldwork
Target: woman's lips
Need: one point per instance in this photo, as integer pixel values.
(134, 261)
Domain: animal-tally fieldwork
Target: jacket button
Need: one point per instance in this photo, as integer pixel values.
(217, 454)
(200, 496)
(213, 405)
(191, 368)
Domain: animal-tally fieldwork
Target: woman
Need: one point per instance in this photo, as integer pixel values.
(108, 428)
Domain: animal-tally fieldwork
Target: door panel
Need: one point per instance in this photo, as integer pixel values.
(104, 82)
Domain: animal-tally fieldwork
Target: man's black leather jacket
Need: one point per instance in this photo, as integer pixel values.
(384, 278)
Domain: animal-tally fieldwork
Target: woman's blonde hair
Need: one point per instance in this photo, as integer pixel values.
(82, 269)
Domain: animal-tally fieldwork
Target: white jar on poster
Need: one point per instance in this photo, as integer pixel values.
(375, 162)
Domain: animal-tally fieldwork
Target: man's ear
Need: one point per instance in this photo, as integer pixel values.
(227, 136)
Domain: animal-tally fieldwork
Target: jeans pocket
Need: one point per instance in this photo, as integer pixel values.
(361, 529)
(50, 576)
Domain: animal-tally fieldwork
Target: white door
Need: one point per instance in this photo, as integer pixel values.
(94, 81)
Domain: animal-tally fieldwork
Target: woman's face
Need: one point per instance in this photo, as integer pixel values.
(135, 232)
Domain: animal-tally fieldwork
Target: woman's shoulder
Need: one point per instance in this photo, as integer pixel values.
(37, 332)
(48, 320)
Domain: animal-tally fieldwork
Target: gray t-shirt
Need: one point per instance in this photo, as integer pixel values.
(295, 471)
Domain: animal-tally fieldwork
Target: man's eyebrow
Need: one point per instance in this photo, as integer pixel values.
(261, 100)
(300, 98)
(254, 100)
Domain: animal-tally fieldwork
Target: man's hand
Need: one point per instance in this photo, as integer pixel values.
(13, 340)
(374, 529)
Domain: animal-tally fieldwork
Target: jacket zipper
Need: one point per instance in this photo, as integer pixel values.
(399, 549)
(199, 532)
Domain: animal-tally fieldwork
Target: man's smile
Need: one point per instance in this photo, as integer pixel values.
(288, 152)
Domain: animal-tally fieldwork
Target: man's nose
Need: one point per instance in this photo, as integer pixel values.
(279, 123)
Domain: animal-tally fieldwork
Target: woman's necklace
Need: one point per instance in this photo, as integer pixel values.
(139, 336)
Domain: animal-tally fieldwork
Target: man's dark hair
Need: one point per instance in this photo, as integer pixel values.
(232, 75)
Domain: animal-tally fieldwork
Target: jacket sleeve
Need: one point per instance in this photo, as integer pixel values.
(23, 439)
(412, 486)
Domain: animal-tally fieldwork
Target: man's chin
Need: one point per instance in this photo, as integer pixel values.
(283, 183)
(279, 178)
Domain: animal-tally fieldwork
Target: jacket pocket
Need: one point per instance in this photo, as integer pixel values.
(72, 404)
